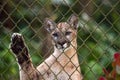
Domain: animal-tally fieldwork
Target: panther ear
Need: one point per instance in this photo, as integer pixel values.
(73, 21)
(49, 25)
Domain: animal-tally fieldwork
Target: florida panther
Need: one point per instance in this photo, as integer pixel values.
(62, 64)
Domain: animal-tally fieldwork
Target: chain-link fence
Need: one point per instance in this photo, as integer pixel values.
(98, 33)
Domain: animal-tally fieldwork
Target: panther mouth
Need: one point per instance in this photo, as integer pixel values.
(62, 47)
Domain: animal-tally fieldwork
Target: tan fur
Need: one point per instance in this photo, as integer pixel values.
(62, 64)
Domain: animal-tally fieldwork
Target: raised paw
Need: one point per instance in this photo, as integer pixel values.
(17, 43)
(19, 48)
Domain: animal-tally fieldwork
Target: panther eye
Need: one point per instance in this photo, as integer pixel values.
(55, 34)
(68, 33)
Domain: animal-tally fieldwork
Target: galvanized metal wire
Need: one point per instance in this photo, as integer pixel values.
(98, 33)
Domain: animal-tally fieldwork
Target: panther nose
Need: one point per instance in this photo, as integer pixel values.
(62, 42)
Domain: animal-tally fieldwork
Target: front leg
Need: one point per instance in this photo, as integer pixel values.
(20, 50)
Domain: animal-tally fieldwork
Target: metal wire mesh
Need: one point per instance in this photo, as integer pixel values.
(98, 33)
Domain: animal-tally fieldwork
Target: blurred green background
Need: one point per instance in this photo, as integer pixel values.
(98, 33)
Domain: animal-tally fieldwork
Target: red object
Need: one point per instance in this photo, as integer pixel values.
(116, 55)
(112, 74)
(102, 78)
(116, 61)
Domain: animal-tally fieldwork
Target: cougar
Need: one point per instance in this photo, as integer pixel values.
(62, 64)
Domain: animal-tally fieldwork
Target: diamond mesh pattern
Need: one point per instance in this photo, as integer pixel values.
(98, 33)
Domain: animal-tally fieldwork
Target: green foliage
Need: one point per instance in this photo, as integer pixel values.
(98, 34)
